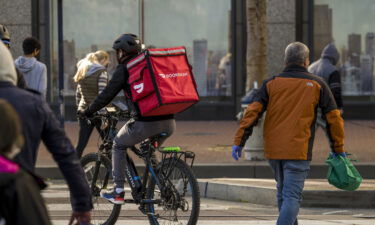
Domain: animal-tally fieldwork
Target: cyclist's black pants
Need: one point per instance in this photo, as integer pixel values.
(134, 132)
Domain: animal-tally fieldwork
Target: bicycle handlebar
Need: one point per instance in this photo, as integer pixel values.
(110, 112)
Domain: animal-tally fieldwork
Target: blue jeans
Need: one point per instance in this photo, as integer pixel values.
(290, 176)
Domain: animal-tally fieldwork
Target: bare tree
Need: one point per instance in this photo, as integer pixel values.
(256, 58)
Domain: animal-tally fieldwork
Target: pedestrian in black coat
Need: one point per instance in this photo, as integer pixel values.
(39, 123)
(21, 202)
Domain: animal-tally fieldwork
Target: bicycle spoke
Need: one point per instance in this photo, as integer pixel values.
(177, 203)
(97, 177)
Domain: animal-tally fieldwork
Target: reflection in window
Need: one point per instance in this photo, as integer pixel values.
(202, 26)
(92, 26)
(350, 25)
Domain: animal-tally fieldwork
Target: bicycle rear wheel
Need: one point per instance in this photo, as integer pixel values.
(180, 202)
(97, 170)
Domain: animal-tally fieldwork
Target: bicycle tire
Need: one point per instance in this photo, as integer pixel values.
(195, 193)
(92, 158)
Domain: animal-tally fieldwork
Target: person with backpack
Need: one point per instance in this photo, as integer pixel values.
(91, 79)
(21, 201)
(127, 46)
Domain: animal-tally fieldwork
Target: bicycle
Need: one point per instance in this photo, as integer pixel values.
(167, 192)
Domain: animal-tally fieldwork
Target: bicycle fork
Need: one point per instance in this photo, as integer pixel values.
(96, 174)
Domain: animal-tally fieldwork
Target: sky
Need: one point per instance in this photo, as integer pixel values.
(351, 16)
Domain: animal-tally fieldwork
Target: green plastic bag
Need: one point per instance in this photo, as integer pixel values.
(342, 173)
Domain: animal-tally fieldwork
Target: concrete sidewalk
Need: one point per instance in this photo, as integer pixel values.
(212, 140)
(317, 192)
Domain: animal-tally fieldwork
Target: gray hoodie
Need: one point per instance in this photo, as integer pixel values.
(34, 72)
(94, 68)
(7, 70)
(325, 66)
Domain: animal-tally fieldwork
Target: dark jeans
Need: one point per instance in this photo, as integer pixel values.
(290, 176)
(85, 131)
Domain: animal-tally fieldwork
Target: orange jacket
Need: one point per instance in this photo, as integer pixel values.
(291, 100)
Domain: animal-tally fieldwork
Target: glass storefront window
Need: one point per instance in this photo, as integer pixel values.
(202, 26)
(92, 26)
(350, 26)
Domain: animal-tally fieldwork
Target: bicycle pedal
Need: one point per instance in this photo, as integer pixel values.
(142, 208)
(129, 201)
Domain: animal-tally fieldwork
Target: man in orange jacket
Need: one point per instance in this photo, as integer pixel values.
(291, 100)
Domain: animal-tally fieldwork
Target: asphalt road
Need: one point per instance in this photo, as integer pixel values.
(214, 212)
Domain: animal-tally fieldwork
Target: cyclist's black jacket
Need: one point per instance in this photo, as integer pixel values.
(39, 123)
(119, 82)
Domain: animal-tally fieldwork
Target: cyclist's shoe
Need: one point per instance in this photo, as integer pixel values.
(113, 196)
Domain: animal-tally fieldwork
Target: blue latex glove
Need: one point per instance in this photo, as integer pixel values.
(236, 152)
(343, 154)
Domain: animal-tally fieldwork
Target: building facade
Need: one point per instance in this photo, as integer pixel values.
(214, 33)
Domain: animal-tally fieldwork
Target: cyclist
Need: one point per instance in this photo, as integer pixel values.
(127, 46)
(91, 79)
(39, 123)
(21, 202)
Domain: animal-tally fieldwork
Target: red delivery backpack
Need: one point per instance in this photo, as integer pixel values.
(161, 81)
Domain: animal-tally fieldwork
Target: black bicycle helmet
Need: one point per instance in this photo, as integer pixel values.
(129, 43)
(4, 34)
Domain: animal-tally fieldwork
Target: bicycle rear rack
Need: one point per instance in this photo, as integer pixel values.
(175, 152)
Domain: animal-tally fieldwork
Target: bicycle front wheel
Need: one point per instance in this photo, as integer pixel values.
(97, 169)
(180, 201)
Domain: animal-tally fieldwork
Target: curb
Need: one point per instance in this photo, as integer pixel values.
(239, 193)
(267, 196)
(250, 170)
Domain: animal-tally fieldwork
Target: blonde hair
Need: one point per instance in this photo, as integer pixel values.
(84, 64)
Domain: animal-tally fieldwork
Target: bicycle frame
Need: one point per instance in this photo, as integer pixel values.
(146, 152)
(156, 188)
(106, 146)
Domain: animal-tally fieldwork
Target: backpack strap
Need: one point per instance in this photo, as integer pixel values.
(128, 99)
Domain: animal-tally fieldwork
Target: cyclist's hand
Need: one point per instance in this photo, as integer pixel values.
(84, 114)
(236, 152)
(81, 218)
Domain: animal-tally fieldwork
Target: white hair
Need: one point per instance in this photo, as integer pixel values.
(296, 53)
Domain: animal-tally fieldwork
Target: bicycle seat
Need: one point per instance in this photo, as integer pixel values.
(156, 137)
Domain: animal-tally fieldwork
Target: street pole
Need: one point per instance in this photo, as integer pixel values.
(141, 21)
(61, 60)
